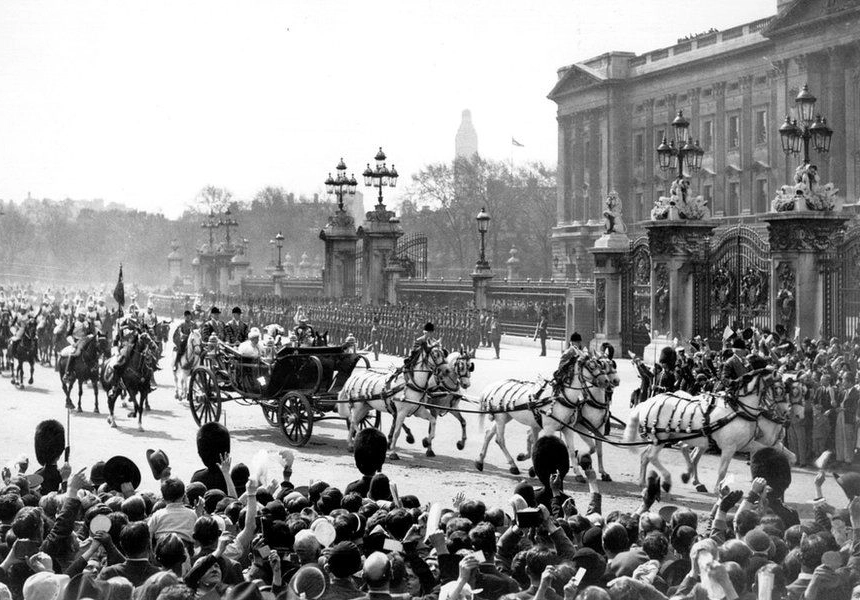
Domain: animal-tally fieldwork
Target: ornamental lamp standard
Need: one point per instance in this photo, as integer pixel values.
(228, 221)
(381, 176)
(811, 127)
(279, 242)
(483, 219)
(340, 185)
(681, 150)
(211, 224)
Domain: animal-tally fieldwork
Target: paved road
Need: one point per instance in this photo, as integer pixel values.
(169, 426)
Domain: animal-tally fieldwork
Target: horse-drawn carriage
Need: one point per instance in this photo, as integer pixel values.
(294, 387)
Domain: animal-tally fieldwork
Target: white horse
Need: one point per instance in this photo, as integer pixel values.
(187, 363)
(545, 408)
(432, 379)
(752, 421)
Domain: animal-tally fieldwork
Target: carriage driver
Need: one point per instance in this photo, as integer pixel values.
(300, 319)
(79, 329)
(735, 366)
(426, 338)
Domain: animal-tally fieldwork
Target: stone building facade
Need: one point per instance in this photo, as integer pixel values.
(735, 86)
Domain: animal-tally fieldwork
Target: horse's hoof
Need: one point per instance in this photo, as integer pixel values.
(479, 464)
(410, 439)
(96, 411)
(522, 456)
(425, 442)
(430, 453)
(460, 445)
(701, 488)
(132, 414)
(514, 470)
(605, 477)
(667, 486)
(393, 456)
(140, 427)
(579, 479)
(30, 381)
(112, 422)
(70, 406)
(685, 477)
(80, 410)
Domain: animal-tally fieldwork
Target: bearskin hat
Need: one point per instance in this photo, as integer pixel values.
(371, 446)
(49, 441)
(550, 456)
(668, 357)
(771, 464)
(213, 440)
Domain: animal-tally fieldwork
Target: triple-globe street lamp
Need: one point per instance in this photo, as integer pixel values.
(340, 185)
(381, 176)
(483, 220)
(672, 154)
(279, 242)
(810, 127)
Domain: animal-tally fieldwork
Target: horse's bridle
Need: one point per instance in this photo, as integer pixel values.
(595, 372)
(767, 404)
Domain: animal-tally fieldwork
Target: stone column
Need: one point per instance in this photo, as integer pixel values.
(393, 271)
(610, 252)
(481, 285)
(339, 271)
(379, 233)
(278, 277)
(676, 247)
(802, 246)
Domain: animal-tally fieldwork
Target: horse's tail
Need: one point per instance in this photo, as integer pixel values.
(632, 429)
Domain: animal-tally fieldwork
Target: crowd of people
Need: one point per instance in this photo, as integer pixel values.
(231, 531)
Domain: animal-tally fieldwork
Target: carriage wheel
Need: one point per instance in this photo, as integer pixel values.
(270, 412)
(204, 396)
(372, 419)
(296, 418)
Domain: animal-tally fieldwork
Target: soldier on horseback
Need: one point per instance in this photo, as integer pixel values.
(180, 336)
(425, 339)
(78, 334)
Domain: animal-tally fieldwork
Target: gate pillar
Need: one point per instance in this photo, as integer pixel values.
(379, 234)
(340, 241)
(803, 247)
(610, 254)
(677, 249)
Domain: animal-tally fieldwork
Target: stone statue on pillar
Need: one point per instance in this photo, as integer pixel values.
(612, 215)
(807, 193)
(680, 204)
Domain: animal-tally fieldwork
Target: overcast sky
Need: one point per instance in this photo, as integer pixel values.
(146, 102)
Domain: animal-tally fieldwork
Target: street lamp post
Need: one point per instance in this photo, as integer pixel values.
(794, 133)
(228, 221)
(340, 185)
(682, 149)
(211, 224)
(279, 242)
(381, 176)
(483, 219)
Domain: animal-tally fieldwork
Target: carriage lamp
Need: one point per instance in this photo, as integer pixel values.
(483, 219)
(797, 133)
(279, 242)
(681, 150)
(380, 176)
(340, 185)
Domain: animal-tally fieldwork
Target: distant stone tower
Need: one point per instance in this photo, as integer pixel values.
(466, 142)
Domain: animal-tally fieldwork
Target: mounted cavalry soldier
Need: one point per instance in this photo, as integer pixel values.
(79, 331)
(425, 339)
(149, 317)
(236, 330)
(180, 336)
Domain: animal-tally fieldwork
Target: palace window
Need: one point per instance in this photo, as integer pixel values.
(640, 211)
(734, 136)
(734, 199)
(761, 127)
(707, 135)
(639, 148)
(761, 195)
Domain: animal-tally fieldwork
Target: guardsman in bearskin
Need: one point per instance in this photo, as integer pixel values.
(236, 330)
(49, 442)
(78, 334)
(371, 447)
(213, 326)
(213, 443)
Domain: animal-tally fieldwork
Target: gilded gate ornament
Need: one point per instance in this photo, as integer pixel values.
(785, 297)
(661, 297)
(600, 303)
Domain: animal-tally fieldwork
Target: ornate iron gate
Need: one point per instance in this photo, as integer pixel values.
(738, 285)
(411, 253)
(359, 262)
(847, 305)
(636, 295)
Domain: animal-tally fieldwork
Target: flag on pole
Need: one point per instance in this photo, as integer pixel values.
(119, 290)
(516, 143)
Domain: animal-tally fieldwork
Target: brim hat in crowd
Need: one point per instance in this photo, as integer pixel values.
(345, 557)
(158, 462)
(747, 334)
(247, 590)
(738, 344)
(429, 327)
(97, 473)
(236, 310)
(575, 337)
(593, 563)
(45, 586)
(49, 441)
(308, 582)
(119, 470)
(214, 311)
(758, 541)
(773, 466)
(550, 456)
(850, 484)
(371, 446)
(213, 440)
